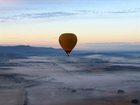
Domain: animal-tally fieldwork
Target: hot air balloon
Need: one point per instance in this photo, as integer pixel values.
(68, 42)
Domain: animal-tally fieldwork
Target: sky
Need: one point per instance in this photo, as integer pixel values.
(41, 22)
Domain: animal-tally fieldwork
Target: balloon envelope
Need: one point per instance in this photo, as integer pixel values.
(68, 42)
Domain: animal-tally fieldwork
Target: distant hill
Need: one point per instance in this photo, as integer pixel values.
(112, 47)
(22, 51)
(25, 51)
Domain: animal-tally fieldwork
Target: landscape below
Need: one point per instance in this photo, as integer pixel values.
(47, 76)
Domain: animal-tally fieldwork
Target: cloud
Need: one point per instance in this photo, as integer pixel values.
(36, 16)
(126, 11)
(135, 10)
(48, 15)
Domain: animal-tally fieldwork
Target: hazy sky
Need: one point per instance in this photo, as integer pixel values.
(40, 22)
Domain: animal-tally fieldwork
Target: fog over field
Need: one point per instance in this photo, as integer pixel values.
(49, 77)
